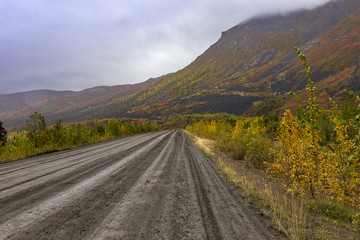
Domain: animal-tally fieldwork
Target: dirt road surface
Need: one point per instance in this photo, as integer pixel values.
(150, 186)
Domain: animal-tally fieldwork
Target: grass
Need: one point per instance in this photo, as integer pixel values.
(296, 218)
(286, 213)
(332, 210)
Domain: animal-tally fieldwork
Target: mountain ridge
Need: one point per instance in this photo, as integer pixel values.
(252, 62)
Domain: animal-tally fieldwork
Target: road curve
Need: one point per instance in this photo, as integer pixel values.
(150, 186)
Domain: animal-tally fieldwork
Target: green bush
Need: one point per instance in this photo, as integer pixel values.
(258, 151)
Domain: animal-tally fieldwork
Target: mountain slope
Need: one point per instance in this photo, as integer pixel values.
(10, 102)
(253, 62)
(256, 60)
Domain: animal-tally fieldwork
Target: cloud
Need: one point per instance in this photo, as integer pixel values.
(79, 44)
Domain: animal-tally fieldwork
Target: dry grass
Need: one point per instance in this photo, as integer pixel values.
(288, 214)
(206, 145)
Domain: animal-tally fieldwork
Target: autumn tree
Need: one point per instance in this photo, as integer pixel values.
(296, 156)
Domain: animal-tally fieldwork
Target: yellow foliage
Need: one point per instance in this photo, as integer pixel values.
(331, 171)
(340, 167)
(296, 153)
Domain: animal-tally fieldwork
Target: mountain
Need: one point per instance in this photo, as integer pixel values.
(252, 68)
(10, 102)
(255, 61)
(16, 108)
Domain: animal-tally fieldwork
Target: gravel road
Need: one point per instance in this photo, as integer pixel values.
(150, 186)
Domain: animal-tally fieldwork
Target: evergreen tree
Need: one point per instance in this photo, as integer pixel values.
(3, 134)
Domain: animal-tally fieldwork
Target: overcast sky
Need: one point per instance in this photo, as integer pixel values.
(78, 44)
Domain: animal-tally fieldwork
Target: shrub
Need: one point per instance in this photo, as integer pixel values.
(258, 151)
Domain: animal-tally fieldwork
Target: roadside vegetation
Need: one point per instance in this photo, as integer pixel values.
(306, 164)
(39, 139)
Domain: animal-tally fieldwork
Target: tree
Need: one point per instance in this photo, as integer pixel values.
(113, 128)
(3, 134)
(36, 129)
(312, 112)
(58, 133)
(296, 155)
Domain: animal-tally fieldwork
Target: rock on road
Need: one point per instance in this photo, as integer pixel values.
(149, 186)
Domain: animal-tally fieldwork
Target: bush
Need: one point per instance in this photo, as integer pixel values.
(258, 151)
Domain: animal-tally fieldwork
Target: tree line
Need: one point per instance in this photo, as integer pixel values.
(39, 138)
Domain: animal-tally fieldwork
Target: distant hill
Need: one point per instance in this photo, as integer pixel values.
(10, 102)
(252, 68)
(16, 108)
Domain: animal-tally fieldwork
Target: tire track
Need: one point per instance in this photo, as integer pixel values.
(209, 220)
(133, 215)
